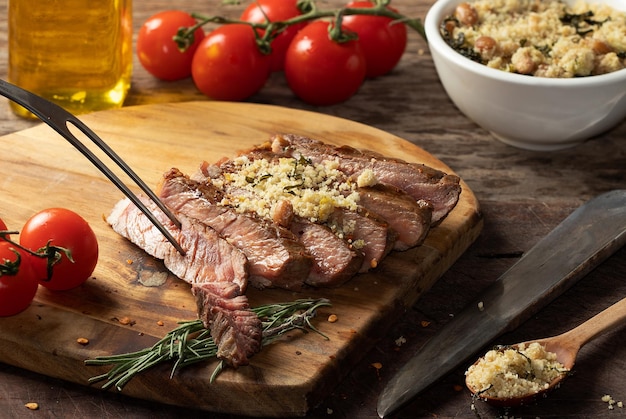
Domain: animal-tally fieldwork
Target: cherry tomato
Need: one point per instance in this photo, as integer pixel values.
(65, 229)
(18, 283)
(321, 71)
(157, 51)
(228, 64)
(383, 41)
(3, 227)
(275, 11)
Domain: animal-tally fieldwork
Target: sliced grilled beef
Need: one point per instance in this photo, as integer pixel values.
(208, 257)
(276, 258)
(409, 218)
(217, 271)
(318, 240)
(367, 232)
(235, 329)
(360, 228)
(335, 261)
(422, 182)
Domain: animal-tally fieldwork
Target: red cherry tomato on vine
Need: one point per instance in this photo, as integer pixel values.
(3, 226)
(228, 64)
(321, 71)
(65, 229)
(157, 51)
(18, 283)
(275, 11)
(383, 41)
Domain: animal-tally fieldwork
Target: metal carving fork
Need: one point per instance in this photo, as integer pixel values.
(58, 119)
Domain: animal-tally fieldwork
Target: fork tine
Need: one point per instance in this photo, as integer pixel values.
(58, 118)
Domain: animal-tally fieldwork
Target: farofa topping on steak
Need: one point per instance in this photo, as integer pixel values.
(539, 38)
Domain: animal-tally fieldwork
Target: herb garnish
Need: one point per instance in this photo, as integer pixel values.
(191, 342)
(458, 44)
(580, 21)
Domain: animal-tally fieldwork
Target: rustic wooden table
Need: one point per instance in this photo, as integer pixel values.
(523, 195)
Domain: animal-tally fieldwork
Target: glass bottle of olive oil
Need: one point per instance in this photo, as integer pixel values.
(76, 53)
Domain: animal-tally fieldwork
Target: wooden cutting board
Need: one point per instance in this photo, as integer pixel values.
(39, 169)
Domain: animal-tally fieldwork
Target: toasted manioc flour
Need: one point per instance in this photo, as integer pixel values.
(313, 190)
(506, 373)
(541, 38)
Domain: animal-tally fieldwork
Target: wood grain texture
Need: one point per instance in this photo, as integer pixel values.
(284, 379)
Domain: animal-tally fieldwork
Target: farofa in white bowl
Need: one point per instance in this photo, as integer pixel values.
(542, 39)
(561, 106)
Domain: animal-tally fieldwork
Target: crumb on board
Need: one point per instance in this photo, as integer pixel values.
(425, 323)
(400, 341)
(333, 318)
(32, 406)
(612, 403)
(82, 341)
(160, 323)
(481, 306)
(126, 321)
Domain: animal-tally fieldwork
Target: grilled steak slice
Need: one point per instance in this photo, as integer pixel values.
(235, 329)
(335, 261)
(361, 229)
(439, 189)
(367, 232)
(276, 258)
(208, 257)
(216, 270)
(318, 241)
(410, 219)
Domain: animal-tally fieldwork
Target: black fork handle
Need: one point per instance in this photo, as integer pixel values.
(58, 119)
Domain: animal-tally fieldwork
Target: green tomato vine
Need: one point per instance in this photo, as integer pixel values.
(267, 31)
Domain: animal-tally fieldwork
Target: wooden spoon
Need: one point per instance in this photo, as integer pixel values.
(566, 347)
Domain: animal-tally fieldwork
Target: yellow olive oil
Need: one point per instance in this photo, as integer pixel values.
(76, 53)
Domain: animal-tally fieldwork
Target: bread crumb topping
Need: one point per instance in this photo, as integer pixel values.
(313, 190)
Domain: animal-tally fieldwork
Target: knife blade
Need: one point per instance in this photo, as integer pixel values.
(582, 241)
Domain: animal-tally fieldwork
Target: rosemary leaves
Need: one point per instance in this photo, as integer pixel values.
(191, 342)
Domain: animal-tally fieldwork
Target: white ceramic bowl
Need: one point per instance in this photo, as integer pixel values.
(524, 111)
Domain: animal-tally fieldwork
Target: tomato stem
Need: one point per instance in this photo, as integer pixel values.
(53, 255)
(310, 12)
(10, 267)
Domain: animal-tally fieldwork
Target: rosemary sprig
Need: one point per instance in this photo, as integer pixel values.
(191, 342)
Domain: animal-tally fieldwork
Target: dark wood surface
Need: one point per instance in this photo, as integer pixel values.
(523, 195)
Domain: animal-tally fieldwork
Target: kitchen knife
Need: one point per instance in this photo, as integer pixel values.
(582, 241)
